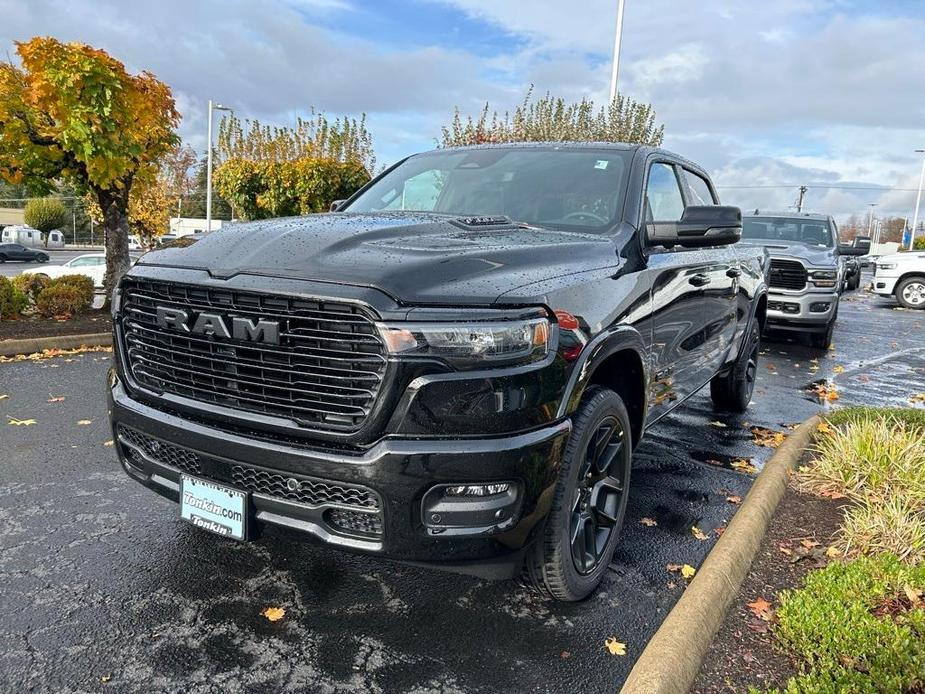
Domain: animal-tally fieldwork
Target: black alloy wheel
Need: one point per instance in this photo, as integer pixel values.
(596, 500)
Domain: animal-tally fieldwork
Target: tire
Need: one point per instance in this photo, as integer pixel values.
(732, 391)
(2, 258)
(42, 259)
(589, 502)
(823, 340)
(910, 292)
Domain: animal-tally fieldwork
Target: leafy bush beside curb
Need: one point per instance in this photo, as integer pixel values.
(31, 284)
(12, 301)
(65, 296)
(858, 626)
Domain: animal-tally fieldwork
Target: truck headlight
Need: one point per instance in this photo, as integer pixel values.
(886, 266)
(824, 278)
(469, 344)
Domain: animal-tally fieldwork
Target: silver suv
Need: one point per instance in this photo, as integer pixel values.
(807, 271)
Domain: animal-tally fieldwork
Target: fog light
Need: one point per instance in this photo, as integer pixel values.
(477, 489)
(819, 307)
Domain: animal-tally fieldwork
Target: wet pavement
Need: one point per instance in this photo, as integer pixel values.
(104, 588)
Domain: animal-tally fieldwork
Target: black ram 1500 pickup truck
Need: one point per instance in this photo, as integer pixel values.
(453, 368)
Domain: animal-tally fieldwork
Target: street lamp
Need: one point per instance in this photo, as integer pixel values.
(212, 107)
(616, 51)
(870, 221)
(918, 200)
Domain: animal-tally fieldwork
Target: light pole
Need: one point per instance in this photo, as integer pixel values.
(616, 51)
(212, 107)
(918, 200)
(870, 220)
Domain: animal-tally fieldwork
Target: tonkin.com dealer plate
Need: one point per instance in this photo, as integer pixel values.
(213, 507)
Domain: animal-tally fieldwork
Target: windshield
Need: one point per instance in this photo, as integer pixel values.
(540, 186)
(814, 232)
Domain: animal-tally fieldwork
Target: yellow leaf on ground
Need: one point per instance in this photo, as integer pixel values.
(824, 428)
(734, 499)
(688, 571)
(718, 425)
(762, 436)
(3, 397)
(838, 370)
(832, 551)
(743, 465)
(648, 522)
(56, 398)
(22, 422)
(615, 647)
(84, 422)
(274, 614)
(108, 443)
(698, 533)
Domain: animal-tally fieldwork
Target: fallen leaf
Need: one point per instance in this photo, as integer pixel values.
(825, 391)
(674, 567)
(21, 422)
(688, 571)
(809, 544)
(648, 522)
(274, 614)
(564, 655)
(105, 678)
(832, 551)
(615, 647)
(743, 465)
(824, 428)
(718, 425)
(838, 369)
(914, 594)
(108, 443)
(698, 533)
(761, 608)
(734, 499)
(785, 550)
(84, 422)
(720, 530)
(4, 397)
(56, 398)
(831, 494)
(762, 436)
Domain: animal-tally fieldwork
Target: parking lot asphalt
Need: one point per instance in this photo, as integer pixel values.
(103, 587)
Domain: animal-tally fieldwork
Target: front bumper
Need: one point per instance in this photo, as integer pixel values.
(370, 501)
(884, 285)
(801, 311)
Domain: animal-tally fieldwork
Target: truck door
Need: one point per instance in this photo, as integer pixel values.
(719, 297)
(678, 277)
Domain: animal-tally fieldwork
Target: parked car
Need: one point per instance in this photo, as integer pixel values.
(14, 252)
(454, 369)
(807, 270)
(134, 243)
(902, 275)
(93, 265)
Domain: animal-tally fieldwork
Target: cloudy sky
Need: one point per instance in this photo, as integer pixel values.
(765, 94)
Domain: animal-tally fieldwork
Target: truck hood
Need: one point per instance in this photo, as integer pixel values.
(814, 256)
(915, 257)
(413, 257)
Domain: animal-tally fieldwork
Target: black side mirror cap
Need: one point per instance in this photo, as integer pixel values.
(700, 226)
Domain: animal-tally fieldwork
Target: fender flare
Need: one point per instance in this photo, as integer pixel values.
(603, 345)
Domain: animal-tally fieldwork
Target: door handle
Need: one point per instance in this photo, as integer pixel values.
(733, 272)
(700, 279)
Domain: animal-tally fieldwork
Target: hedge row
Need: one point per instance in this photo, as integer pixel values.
(52, 298)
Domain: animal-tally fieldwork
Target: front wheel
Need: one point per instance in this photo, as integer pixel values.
(569, 560)
(41, 258)
(823, 340)
(910, 293)
(2, 258)
(733, 390)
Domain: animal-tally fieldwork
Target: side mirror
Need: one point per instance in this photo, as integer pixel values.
(700, 226)
(860, 247)
(336, 205)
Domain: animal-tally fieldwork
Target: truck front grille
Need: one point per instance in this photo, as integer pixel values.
(325, 373)
(787, 274)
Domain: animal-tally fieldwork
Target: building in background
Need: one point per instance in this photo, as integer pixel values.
(11, 215)
(184, 226)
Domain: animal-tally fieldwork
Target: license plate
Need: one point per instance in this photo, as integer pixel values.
(213, 507)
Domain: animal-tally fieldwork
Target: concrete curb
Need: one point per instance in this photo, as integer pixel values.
(9, 348)
(671, 660)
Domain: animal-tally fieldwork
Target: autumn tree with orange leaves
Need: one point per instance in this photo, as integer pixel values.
(72, 111)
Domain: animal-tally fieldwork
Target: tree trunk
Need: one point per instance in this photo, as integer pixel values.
(114, 205)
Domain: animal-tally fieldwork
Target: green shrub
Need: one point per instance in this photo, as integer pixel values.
(31, 284)
(81, 282)
(857, 627)
(63, 299)
(851, 415)
(12, 301)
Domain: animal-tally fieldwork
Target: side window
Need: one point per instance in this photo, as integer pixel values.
(663, 195)
(699, 189)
